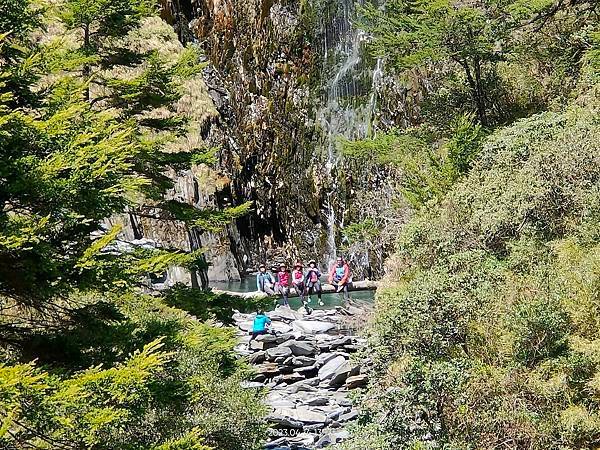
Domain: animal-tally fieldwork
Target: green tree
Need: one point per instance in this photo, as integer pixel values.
(497, 59)
(427, 166)
(417, 33)
(141, 82)
(98, 26)
(88, 360)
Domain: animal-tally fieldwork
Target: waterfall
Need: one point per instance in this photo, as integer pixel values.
(348, 104)
(377, 79)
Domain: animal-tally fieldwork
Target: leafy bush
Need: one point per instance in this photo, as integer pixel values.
(183, 388)
(487, 334)
(539, 330)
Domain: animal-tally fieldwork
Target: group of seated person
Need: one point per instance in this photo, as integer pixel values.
(306, 282)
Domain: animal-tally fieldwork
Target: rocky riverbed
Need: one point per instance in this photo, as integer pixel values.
(308, 369)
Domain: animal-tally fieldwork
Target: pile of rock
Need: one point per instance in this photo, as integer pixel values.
(308, 369)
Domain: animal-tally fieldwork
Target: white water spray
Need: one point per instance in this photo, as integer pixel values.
(343, 114)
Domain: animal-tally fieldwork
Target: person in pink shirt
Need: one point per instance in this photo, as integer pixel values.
(284, 282)
(298, 281)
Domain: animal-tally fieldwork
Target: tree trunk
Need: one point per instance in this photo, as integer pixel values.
(480, 100)
(87, 70)
(202, 274)
(363, 285)
(476, 90)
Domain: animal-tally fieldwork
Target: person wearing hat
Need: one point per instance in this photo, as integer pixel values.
(298, 282)
(265, 281)
(312, 281)
(283, 283)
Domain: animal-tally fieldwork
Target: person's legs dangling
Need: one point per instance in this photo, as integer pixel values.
(319, 291)
(268, 290)
(301, 291)
(346, 292)
(283, 291)
(286, 293)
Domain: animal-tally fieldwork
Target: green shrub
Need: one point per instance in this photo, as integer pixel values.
(181, 391)
(487, 335)
(539, 329)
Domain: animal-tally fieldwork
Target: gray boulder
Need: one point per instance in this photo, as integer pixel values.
(300, 348)
(299, 414)
(348, 416)
(268, 368)
(246, 325)
(341, 399)
(289, 361)
(336, 413)
(300, 361)
(286, 369)
(324, 358)
(332, 368)
(267, 342)
(278, 352)
(284, 421)
(256, 358)
(340, 342)
(255, 345)
(351, 348)
(266, 338)
(353, 382)
(289, 378)
(306, 369)
(341, 374)
(323, 347)
(278, 400)
(281, 338)
(302, 386)
(324, 441)
(283, 313)
(281, 328)
(260, 378)
(354, 371)
(312, 326)
(317, 401)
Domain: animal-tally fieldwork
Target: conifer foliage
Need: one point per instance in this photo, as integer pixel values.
(86, 121)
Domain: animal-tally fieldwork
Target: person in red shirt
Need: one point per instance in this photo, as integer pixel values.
(284, 281)
(339, 276)
(299, 283)
(298, 280)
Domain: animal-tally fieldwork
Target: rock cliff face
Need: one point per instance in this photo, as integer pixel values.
(288, 78)
(201, 186)
(261, 79)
